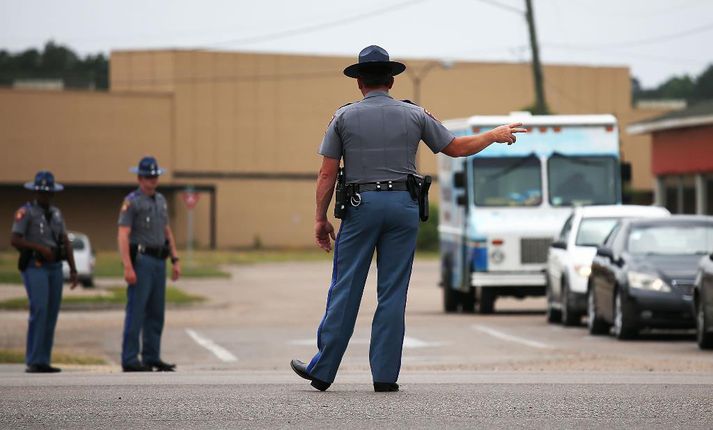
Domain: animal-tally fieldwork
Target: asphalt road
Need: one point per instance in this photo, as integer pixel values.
(508, 370)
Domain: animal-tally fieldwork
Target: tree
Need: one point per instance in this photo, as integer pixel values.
(703, 89)
(55, 62)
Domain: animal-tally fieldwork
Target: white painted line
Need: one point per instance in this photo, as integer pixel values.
(510, 338)
(409, 342)
(217, 350)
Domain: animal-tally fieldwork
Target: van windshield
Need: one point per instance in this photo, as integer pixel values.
(582, 180)
(507, 181)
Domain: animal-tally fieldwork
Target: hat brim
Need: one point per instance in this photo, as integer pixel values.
(32, 187)
(139, 172)
(394, 68)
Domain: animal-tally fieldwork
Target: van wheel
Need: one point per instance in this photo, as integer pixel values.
(703, 338)
(595, 324)
(468, 301)
(623, 328)
(450, 299)
(486, 302)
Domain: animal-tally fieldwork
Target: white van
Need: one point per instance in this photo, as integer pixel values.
(501, 209)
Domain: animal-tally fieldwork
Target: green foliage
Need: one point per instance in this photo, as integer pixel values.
(428, 232)
(55, 62)
(16, 356)
(677, 87)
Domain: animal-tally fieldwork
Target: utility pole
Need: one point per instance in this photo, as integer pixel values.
(540, 104)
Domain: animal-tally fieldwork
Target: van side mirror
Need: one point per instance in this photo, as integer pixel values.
(605, 252)
(461, 200)
(711, 257)
(625, 172)
(459, 180)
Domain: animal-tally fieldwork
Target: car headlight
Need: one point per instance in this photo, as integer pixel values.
(583, 270)
(647, 281)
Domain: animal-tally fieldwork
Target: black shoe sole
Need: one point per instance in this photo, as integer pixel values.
(316, 383)
(386, 387)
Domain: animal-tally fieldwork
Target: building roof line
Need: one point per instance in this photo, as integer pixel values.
(668, 124)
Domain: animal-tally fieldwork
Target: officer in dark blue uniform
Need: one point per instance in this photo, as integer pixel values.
(377, 138)
(145, 241)
(40, 235)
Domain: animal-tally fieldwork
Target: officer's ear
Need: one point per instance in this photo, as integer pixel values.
(360, 83)
(390, 82)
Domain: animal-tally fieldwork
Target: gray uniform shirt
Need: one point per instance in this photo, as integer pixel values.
(378, 137)
(32, 223)
(147, 216)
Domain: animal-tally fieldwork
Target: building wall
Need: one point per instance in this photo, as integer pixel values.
(670, 157)
(249, 126)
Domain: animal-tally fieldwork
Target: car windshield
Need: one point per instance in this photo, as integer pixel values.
(671, 240)
(582, 180)
(510, 181)
(593, 231)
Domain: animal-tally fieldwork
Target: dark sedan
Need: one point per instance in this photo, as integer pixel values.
(703, 303)
(643, 275)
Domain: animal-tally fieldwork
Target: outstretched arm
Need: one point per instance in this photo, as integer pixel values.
(464, 146)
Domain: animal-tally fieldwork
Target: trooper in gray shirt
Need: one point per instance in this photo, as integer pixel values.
(377, 137)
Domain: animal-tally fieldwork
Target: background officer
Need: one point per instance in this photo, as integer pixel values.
(145, 241)
(40, 235)
(377, 137)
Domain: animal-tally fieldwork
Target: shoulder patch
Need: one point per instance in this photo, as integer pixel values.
(20, 214)
(431, 115)
(125, 206)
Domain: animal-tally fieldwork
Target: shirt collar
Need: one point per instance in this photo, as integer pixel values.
(376, 93)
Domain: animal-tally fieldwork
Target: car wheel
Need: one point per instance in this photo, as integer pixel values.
(704, 339)
(468, 301)
(553, 315)
(623, 328)
(88, 282)
(486, 304)
(569, 316)
(595, 324)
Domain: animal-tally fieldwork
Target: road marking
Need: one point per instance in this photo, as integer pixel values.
(510, 338)
(409, 342)
(217, 350)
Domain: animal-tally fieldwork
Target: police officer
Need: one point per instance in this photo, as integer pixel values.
(145, 241)
(40, 235)
(377, 138)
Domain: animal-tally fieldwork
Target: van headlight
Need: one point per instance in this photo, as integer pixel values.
(646, 281)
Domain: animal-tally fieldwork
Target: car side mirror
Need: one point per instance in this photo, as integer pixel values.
(559, 245)
(459, 180)
(605, 252)
(711, 257)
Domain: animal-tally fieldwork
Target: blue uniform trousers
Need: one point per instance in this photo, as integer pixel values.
(145, 305)
(386, 221)
(44, 291)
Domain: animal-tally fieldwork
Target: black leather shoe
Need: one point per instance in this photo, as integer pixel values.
(138, 367)
(161, 366)
(301, 369)
(42, 368)
(385, 387)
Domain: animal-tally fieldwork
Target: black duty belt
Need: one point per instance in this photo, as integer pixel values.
(380, 186)
(160, 252)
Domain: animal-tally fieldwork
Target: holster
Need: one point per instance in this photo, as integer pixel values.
(340, 196)
(418, 188)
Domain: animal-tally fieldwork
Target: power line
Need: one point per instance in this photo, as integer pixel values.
(656, 39)
(316, 27)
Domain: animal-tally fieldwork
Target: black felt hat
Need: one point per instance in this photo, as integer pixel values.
(374, 60)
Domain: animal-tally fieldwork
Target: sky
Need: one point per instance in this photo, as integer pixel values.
(655, 38)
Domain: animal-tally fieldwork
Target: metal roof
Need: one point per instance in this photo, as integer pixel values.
(697, 115)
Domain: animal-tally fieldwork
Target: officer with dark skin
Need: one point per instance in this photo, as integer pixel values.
(145, 241)
(39, 232)
(377, 138)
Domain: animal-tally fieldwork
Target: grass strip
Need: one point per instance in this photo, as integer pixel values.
(115, 298)
(16, 356)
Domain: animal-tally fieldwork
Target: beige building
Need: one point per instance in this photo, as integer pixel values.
(243, 129)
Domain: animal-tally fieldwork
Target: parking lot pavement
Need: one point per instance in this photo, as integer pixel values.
(510, 369)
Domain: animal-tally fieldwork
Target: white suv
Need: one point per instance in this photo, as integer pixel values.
(84, 258)
(570, 257)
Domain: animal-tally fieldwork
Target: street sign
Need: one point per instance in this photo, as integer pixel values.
(190, 198)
